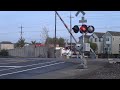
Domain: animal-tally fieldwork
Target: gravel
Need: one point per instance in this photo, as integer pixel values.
(108, 71)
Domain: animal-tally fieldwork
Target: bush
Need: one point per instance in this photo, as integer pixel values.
(3, 52)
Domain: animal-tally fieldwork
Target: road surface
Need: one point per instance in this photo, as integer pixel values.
(25, 68)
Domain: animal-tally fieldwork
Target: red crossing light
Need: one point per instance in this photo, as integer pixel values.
(83, 29)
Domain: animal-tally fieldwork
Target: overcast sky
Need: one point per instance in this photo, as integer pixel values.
(34, 21)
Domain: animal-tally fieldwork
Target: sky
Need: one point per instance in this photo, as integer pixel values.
(34, 21)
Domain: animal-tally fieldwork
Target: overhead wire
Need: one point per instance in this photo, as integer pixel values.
(59, 30)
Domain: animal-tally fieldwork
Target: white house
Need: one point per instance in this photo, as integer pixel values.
(6, 45)
(111, 42)
(97, 38)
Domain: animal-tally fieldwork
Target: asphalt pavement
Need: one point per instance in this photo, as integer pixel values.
(25, 68)
(51, 68)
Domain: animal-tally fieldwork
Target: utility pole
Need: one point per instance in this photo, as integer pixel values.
(21, 32)
(71, 30)
(55, 36)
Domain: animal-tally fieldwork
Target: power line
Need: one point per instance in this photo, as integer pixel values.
(8, 32)
(61, 30)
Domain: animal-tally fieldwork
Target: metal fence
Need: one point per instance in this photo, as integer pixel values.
(32, 51)
(29, 51)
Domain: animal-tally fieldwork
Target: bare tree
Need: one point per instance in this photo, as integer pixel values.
(44, 34)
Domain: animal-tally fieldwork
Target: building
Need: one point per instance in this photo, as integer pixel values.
(111, 43)
(97, 37)
(71, 45)
(39, 45)
(6, 45)
(53, 45)
(107, 43)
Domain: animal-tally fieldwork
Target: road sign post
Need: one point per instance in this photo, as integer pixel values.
(84, 61)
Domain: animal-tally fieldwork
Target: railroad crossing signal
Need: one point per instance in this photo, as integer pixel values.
(83, 29)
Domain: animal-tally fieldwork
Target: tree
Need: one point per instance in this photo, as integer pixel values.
(4, 52)
(33, 42)
(48, 40)
(20, 43)
(93, 46)
(59, 41)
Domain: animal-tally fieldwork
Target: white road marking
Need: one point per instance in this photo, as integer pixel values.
(27, 65)
(10, 66)
(31, 69)
(15, 62)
